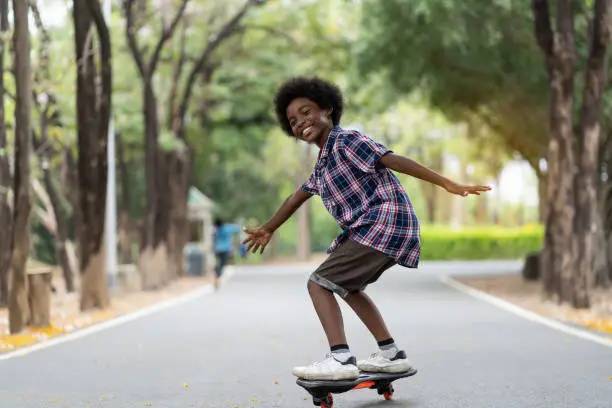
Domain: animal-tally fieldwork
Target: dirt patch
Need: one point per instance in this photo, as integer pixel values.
(528, 295)
(66, 316)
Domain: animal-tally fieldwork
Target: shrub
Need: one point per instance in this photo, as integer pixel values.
(445, 243)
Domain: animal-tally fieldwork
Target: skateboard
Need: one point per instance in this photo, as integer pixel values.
(322, 390)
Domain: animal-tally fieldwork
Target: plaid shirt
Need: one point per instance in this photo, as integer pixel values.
(368, 203)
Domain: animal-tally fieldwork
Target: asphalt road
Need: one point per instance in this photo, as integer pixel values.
(236, 348)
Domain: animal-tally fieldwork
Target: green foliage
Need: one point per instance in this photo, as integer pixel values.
(444, 243)
(466, 58)
(417, 54)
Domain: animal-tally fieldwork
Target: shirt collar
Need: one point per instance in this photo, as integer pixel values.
(329, 142)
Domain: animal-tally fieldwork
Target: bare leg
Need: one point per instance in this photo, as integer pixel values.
(329, 313)
(367, 311)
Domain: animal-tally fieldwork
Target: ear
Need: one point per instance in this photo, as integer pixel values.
(329, 112)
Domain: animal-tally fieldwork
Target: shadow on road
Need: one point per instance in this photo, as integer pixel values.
(404, 403)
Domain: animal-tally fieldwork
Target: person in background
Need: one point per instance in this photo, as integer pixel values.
(223, 247)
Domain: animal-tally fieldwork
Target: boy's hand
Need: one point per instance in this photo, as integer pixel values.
(258, 239)
(462, 190)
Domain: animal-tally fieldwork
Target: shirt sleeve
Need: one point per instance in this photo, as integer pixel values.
(363, 152)
(310, 185)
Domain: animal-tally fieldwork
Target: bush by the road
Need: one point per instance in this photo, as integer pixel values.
(445, 243)
(439, 242)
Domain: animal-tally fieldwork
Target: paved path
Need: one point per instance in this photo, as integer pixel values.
(236, 348)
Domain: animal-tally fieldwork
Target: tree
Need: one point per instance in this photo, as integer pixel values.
(567, 259)
(467, 58)
(5, 172)
(180, 159)
(18, 295)
(153, 254)
(93, 103)
(47, 109)
(473, 59)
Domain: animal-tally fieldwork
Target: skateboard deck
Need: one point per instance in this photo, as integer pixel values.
(322, 390)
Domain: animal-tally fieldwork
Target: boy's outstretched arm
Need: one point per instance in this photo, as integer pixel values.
(259, 237)
(410, 167)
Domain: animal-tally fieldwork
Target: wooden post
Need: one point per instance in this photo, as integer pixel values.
(39, 296)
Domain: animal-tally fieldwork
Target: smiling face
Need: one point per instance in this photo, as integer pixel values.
(308, 121)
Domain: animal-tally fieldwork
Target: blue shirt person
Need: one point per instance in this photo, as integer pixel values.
(223, 246)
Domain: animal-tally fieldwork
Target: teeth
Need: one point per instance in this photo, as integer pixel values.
(306, 131)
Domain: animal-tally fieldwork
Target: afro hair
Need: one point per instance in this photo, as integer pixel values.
(323, 93)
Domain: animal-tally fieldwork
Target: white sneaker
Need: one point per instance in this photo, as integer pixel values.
(328, 369)
(379, 363)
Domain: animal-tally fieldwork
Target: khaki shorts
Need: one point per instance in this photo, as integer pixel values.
(351, 267)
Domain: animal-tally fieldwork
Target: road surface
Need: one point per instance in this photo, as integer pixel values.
(235, 348)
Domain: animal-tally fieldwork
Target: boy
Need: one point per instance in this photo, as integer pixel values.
(223, 246)
(353, 177)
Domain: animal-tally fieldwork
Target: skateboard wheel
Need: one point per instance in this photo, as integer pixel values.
(327, 402)
(386, 391)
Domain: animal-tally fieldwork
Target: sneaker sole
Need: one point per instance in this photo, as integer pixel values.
(336, 377)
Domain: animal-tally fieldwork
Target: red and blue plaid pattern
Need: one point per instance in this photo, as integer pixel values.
(367, 201)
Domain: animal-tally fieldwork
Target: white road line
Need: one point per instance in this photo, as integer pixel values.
(526, 314)
(98, 327)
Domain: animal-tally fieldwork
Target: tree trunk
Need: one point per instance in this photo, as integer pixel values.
(542, 196)
(563, 203)
(5, 172)
(125, 218)
(163, 267)
(61, 235)
(601, 262)
(18, 295)
(153, 258)
(153, 263)
(93, 113)
(558, 259)
(60, 232)
(587, 222)
(69, 179)
(180, 178)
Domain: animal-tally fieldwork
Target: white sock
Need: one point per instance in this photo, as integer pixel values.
(388, 350)
(341, 353)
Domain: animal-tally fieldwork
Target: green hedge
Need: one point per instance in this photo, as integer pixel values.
(445, 243)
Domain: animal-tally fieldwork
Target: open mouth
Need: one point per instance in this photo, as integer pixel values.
(306, 132)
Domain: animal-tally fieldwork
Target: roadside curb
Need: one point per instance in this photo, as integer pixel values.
(505, 305)
(116, 320)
